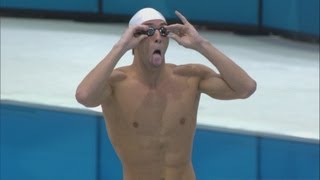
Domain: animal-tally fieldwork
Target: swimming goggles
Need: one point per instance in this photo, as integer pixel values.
(150, 32)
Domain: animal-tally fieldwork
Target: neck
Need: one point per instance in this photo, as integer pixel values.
(147, 74)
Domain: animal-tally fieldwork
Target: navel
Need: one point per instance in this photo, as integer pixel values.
(135, 124)
(182, 121)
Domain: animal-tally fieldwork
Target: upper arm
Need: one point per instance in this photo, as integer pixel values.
(213, 85)
(107, 89)
(209, 82)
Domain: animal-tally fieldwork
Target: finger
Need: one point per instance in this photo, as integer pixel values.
(139, 30)
(143, 36)
(181, 17)
(175, 28)
(140, 35)
(141, 27)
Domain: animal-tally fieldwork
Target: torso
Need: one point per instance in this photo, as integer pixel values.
(152, 129)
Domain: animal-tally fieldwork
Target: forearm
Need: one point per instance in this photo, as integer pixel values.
(236, 78)
(94, 87)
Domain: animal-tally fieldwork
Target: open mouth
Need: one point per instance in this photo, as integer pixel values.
(156, 59)
(157, 51)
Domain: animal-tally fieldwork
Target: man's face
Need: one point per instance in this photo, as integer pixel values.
(152, 49)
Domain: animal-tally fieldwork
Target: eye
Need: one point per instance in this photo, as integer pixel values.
(151, 31)
(163, 31)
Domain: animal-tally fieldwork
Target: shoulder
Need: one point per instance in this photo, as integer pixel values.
(119, 74)
(193, 70)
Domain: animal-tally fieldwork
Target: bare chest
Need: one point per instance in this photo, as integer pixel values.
(164, 111)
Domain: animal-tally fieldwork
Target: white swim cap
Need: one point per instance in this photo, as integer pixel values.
(144, 15)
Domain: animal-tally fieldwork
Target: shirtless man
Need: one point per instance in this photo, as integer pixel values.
(150, 107)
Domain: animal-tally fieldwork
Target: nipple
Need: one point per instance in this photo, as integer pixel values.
(182, 121)
(135, 124)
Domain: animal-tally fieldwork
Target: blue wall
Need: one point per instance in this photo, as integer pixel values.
(53, 143)
(292, 15)
(53, 5)
(218, 11)
(299, 16)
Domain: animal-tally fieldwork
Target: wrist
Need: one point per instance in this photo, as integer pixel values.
(202, 44)
(120, 47)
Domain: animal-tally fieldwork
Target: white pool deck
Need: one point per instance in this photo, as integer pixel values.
(43, 61)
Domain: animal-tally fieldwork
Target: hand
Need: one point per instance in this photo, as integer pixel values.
(185, 34)
(130, 38)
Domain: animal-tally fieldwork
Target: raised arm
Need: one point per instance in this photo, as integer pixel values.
(95, 87)
(232, 82)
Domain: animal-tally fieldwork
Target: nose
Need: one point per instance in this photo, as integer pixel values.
(158, 37)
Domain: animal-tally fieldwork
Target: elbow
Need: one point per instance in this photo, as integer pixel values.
(83, 98)
(249, 90)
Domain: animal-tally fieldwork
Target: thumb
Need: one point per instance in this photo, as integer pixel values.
(141, 37)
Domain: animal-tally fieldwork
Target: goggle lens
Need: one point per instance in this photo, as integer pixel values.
(163, 31)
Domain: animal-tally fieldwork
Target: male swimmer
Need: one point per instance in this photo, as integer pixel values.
(150, 106)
